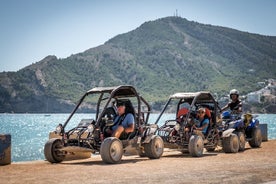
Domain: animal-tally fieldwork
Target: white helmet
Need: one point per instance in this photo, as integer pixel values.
(234, 92)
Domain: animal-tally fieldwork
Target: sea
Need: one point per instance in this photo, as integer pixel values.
(30, 132)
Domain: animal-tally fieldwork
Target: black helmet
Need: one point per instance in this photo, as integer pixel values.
(120, 103)
(234, 92)
(127, 103)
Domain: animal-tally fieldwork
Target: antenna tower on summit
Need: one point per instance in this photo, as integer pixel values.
(176, 13)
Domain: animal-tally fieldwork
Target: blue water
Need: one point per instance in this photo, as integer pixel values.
(30, 132)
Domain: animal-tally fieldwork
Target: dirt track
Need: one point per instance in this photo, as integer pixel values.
(250, 166)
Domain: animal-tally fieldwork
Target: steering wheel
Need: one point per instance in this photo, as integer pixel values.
(109, 113)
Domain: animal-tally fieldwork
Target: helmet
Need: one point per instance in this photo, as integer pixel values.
(234, 92)
(120, 103)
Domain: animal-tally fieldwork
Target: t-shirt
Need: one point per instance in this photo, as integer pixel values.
(203, 122)
(126, 122)
(234, 105)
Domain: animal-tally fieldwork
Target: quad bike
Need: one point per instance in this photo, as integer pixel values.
(246, 128)
(177, 132)
(90, 135)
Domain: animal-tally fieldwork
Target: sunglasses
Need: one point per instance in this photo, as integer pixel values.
(120, 105)
(200, 112)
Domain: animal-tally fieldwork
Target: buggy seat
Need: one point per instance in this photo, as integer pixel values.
(181, 114)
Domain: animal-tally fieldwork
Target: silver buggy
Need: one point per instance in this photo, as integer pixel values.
(89, 135)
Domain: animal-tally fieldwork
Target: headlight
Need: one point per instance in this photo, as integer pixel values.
(90, 128)
(59, 129)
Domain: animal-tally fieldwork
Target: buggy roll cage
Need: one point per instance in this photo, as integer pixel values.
(121, 91)
(192, 98)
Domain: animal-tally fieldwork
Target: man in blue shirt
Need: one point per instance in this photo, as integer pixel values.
(124, 122)
(202, 121)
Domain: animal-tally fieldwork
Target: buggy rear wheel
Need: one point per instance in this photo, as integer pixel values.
(196, 146)
(111, 150)
(154, 149)
(241, 138)
(52, 152)
(230, 144)
(256, 139)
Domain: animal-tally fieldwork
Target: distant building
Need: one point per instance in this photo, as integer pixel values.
(272, 82)
(270, 99)
(266, 91)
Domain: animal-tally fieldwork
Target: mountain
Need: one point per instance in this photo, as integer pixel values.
(160, 57)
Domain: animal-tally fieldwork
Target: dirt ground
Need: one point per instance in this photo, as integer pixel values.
(250, 166)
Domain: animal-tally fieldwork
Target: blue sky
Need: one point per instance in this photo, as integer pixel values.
(32, 29)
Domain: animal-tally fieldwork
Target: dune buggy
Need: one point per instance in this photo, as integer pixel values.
(177, 131)
(89, 135)
(246, 128)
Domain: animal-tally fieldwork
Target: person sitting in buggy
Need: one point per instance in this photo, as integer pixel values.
(124, 123)
(201, 122)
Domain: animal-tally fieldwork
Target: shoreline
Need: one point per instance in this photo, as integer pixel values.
(256, 165)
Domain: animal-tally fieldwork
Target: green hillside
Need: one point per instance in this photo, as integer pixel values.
(159, 58)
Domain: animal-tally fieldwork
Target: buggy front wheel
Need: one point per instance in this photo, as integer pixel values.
(196, 146)
(154, 149)
(111, 150)
(52, 152)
